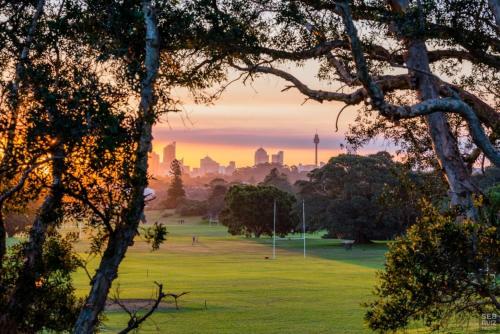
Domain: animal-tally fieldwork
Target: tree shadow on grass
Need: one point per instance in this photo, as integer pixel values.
(369, 255)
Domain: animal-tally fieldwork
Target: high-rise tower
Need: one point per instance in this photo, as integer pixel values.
(316, 142)
(168, 157)
(261, 157)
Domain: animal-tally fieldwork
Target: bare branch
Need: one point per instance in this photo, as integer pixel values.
(177, 296)
(388, 83)
(82, 196)
(135, 321)
(338, 116)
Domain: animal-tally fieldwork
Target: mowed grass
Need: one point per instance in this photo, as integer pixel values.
(233, 288)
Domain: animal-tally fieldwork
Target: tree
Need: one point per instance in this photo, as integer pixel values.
(438, 271)
(190, 207)
(418, 109)
(54, 305)
(215, 201)
(140, 39)
(123, 235)
(490, 177)
(14, 160)
(57, 110)
(249, 211)
(175, 193)
(354, 197)
(278, 180)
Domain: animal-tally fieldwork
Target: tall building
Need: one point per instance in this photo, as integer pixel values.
(154, 163)
(168, 157)
(278, 158)
(261, 157)
(316, 142)
(230, 168)
(209, 166)
(169, 153)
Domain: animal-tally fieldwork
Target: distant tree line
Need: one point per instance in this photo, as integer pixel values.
(356, 197)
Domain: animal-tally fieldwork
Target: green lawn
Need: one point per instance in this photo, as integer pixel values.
(243, 291)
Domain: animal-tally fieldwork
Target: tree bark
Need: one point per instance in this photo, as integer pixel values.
(123, 235)
(3, 239)
(444, 143)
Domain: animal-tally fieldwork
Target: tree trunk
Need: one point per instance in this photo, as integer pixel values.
(14, 96)
(32, 269)
(3, 239)
(444, 143)
(361, 238)
(124, 234)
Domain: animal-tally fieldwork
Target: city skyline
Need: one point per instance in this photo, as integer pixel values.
(245, 118)
(159, 164)
(207, 163)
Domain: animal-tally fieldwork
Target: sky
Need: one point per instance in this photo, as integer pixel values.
(258, 114)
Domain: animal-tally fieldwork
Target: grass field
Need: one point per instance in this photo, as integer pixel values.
(235, 289)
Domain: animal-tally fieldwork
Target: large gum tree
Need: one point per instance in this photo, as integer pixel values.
(422, 73)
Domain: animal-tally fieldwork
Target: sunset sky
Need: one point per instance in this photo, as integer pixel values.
(258, 114)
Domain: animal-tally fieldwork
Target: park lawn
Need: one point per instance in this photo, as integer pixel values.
(235, 289)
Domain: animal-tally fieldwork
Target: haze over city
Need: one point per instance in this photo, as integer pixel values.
(246, 118)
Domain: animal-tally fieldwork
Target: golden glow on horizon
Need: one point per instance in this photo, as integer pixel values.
(260, 114)
(244, 156)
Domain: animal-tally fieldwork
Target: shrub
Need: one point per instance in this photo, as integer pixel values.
(192, 208)
(443, 268)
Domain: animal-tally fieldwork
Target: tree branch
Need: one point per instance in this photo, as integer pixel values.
(26, 173)
(450, 105)
(456, 106)
(387, 83)
(136, 321)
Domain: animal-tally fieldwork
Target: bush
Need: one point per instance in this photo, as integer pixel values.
(192, 208)
(55, 306)
(249, 211)
(444, 268)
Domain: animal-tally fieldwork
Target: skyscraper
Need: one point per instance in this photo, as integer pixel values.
(168, 156)
(261, 157)
(278, 158)
(209, 166)
(230, 168)
(316, 142)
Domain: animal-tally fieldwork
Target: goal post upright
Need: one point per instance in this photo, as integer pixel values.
(304, 225)
(303, 230)
(274, 231)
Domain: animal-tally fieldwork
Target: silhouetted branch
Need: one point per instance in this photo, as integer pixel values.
(24, 176)
(175, 296)
(135, 321)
